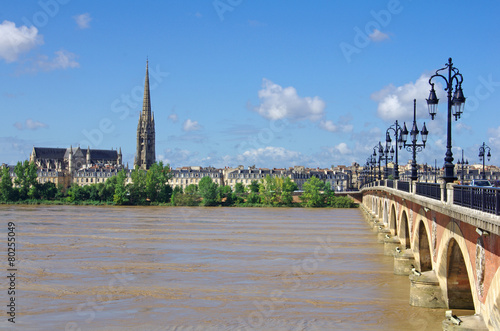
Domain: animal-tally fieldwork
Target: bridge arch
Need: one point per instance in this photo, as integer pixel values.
(381, 208)
(455, 270)
(422, 246)
(385, 213)
(404, 230)
(393, 224)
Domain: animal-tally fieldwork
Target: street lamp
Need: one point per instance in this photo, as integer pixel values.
(398, 135)
(369, 167)
(388, 155)
(482, 151)
(461, 164)
(378, 148)
(435, 171)
(414, 147)
(456, 104)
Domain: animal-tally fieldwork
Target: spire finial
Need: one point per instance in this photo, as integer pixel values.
(146, 105)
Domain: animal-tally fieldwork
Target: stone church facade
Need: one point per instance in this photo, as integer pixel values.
(62, 166)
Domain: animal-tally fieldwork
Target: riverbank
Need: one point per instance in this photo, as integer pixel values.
(295, 204)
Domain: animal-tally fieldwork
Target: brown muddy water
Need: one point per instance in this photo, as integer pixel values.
(168, 268)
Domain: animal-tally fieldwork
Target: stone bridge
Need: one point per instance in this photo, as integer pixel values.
(446, 238)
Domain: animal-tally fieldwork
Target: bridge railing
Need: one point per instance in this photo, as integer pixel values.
(404, 186)
(429, 190)
(486, 199)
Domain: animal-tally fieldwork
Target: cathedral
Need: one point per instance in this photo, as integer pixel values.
(145, 155)
(74, 165)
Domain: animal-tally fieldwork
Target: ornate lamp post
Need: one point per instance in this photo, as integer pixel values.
(398, 135)
(435, 171)
(388, 155)
(482, 152)
(369, 168)
(373, 163)
(461, 163)
(414, 147)
(380, 150)
(456, 103)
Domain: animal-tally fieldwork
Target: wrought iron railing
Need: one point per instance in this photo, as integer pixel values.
(429, 190)
(404, 186)
(485, 199)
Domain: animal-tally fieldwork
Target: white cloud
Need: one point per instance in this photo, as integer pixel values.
(14, 41)
(63, 60)
(190, 125)
(173, 117)
(177, 157)
(494, 138)
(30, 124)
(378, 36)
(276, 156)
(277, 102)
(332, 127)
(396, 103)
(83, 20)
(343, 149)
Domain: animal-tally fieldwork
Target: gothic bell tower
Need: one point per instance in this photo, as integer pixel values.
(145, 155)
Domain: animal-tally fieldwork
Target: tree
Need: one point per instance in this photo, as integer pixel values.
(225, 195)
(107, 189)
(138, 187)
(157, 188)
(26, 177)
(191, 189)
(46, 191)
(239, 188)
(313, 195)
(208, 191)
(121, 196)
(254, 186)
(343, 202)
(6, 187)
(253, 197)
(93, 192)
(266, 190)
(288, 187)
(77, 193)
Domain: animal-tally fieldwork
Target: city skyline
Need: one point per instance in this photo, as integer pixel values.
(233, 83)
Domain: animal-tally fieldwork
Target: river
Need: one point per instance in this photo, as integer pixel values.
(175, 268)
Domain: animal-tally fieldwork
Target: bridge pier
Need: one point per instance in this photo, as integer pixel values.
(469, 323)
(382, 231)
(425, 290)
(390, 244)
(403, 262)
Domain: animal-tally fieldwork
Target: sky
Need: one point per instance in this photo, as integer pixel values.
(236, 82)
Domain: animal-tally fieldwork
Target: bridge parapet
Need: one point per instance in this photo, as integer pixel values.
(478, 206)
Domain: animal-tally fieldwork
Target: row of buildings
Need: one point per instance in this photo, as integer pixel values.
(67, 166)
(338, 179)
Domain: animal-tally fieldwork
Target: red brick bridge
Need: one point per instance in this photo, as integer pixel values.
(446, 238)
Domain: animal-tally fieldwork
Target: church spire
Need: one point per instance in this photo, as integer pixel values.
(146, 104)
(145, 155)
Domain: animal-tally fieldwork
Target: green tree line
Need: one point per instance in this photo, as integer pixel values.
(151, 188)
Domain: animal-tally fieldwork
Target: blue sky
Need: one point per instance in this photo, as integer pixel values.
(270, 83)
